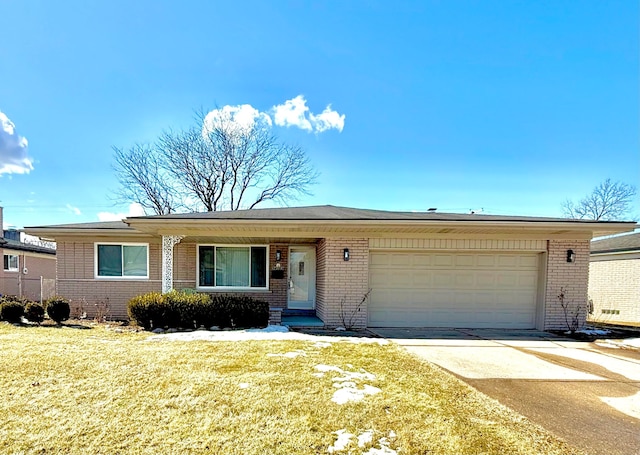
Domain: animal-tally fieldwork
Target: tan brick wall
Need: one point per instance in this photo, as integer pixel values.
(77, 283)
(28, 285)
(614, 284)
(573, 277)
(342, 284)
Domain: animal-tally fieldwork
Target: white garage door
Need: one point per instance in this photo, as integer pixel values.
(474, 290)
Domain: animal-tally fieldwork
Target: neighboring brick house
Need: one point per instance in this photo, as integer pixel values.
(422, 269)
(614, 279)
(27, 270)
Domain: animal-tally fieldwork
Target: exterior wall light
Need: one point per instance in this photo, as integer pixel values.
(571, 256)
(346, 254)
(278, 255)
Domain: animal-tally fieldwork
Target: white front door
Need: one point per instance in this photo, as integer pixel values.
(302, 277)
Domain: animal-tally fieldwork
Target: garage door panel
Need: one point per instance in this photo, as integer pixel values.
(412, 289)
(443, 260)
(486, 261)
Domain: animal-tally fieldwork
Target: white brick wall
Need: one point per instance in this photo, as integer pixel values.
(614, 284)
(573, 277)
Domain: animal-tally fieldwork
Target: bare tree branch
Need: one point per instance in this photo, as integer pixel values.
(608, 201)
(142, 180)
(214, 166)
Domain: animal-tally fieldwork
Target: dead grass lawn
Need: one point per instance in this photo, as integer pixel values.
(95, 391)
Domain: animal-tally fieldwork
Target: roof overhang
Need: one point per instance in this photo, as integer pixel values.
(377, 228)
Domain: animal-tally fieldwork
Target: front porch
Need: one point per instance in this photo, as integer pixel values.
(301, 319)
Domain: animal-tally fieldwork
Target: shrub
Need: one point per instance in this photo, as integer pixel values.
(239, 311)
(11, 309)
(147, 310)
(34, 312)
(192, 310)
(58, 309)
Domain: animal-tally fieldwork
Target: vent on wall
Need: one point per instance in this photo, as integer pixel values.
(610, 311)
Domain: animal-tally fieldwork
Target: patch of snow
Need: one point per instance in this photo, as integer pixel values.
(343, 440)
(322, 344)
(365, 438)
(622, 343)
(318, 375)
(289, 355)
(158, 330)
(384, 447)
(214, 328)
(340, 385)
(340, 329)
(326, 368)
(243, 385)
(591, 331)
(271, 329)
(347, 394)
(629, 405)
(633, 342)
(274, 333)
(352, 375)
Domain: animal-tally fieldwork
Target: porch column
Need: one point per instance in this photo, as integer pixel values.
(168, 242)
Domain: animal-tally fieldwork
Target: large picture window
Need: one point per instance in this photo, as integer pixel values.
(232, 266)
(122, 260)
(11, 262)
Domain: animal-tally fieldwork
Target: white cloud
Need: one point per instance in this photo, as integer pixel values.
(295, 112)
(243, 116)
(327, 119)
(13, 149)
(135, 209)
(74, 210)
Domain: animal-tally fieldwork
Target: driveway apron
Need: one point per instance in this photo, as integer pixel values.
(585, 394)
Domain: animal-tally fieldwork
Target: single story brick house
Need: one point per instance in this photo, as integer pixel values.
(425, 269)
(28, 270)
(614, 279)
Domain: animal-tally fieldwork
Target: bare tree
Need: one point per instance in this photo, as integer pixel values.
(143, 179)
(214, 165)
(608, 201)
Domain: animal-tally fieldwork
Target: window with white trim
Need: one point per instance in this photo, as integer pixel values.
(11, 263)
(122, 260)
(221, 266)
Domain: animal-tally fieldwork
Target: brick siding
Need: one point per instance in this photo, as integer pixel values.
(342, 284)
(28, 285)
(614, 286)
(573, 277)
(76, 280)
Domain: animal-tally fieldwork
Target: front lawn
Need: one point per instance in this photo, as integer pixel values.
(98, 391)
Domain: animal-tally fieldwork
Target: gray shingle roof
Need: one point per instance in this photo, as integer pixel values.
(9, 244)
(333, 213)
(96, 225)
(625, 242)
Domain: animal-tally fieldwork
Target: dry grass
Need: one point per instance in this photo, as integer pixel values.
(66, 390)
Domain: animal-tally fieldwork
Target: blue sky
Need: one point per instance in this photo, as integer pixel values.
(506, 106)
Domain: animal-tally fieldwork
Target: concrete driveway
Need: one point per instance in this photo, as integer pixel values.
(586, 394)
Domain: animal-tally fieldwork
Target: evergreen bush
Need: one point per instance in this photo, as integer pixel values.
(58, 309)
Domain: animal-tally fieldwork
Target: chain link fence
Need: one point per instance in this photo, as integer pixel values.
(37, 289)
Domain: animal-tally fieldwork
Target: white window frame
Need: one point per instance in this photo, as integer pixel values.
(12, 269)
(232, 288)
(122, 277)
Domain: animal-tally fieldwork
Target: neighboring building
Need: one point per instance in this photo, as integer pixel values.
(27, 270)
(423, 269)
(614, 279)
